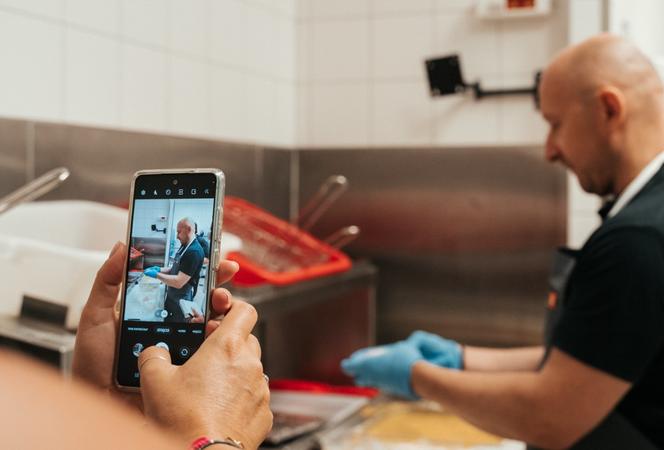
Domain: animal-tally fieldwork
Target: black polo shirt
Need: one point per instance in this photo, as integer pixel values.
(614, 306)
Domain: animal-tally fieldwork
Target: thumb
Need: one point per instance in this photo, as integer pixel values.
(428, 344)
(154, 365)
(355, 362)
(349, 366)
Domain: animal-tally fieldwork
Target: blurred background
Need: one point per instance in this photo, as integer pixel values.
(458, 209)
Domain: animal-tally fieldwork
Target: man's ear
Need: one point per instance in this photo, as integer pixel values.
(613, 106)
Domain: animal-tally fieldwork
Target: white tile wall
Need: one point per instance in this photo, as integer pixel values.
(286, 51)
(460, 120)
(585, 20)
(262, 112)
(146, 21)
(144, 101)
(352, 46)
(578, 200)
(51, 8)
(476, 42)
(286, 121)
(229, 93)
(312, 72)
(340, 50)
(97, 15)
(152, 64)
(31, 75)
(526, 45)
(92, 78)
(228, 31)
(402, 110)
(261, 40)
(190, 27)
(454, 5)
(385, 7)
(326, 9)
(520, 123)
(580, 227)
(340, 115)
(400, 45)
(189, 96)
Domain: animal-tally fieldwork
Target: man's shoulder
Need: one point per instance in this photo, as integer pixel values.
(636, 245)
(195, 248)
(644, 216)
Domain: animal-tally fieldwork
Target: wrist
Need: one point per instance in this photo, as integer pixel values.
(205, 442)
(415, 378)
(219, 434)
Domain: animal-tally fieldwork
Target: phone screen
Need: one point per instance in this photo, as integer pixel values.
(165, 301)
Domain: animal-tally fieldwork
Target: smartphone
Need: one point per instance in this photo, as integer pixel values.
(173, 237)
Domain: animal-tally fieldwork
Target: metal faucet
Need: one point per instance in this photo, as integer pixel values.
(34, 189)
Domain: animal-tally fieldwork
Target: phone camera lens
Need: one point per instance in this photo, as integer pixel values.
(175, 181)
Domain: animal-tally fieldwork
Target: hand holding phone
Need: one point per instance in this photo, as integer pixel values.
(248, 421)
(98, 328)
(175, 221)
(224, 379)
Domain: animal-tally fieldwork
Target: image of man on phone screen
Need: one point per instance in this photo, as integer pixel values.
(181, 278)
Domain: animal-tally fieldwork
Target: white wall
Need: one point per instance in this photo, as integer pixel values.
(362, 80)
(214, 68)
(641, 22)
(585, 20)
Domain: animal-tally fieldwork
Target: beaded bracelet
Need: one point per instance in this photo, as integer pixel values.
(205, 442)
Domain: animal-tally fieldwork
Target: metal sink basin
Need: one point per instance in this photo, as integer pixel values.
(52, 250)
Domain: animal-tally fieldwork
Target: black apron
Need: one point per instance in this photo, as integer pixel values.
(615, 432)
(173, 295)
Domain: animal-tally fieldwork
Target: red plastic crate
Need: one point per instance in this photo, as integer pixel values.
(275, 251)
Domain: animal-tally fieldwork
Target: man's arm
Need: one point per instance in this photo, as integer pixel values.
(174, 281)
(552, 408)
(482, 359)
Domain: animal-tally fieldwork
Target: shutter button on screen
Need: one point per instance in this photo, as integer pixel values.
(137, 349)
(162, 345)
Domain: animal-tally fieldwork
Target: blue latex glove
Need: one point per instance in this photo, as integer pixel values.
(437, 350)
(152, 271)
(386, 367)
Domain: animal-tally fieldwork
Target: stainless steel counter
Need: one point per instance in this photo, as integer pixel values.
(306, 329)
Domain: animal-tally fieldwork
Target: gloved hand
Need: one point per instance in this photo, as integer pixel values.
(152, 271)
(386, 367)
(437, 350)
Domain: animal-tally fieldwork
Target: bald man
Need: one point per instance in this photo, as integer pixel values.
(597, 383)
(181, 278)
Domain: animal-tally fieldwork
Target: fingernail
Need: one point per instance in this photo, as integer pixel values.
(115, 248)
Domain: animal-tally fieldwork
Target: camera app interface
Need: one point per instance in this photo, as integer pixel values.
(168, 264)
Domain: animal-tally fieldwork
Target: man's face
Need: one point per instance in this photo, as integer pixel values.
(574, 138)
(183, 232)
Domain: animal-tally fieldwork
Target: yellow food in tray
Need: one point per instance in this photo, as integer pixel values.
(414, 422)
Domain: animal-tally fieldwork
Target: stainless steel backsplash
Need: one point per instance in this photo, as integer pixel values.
(461, 236)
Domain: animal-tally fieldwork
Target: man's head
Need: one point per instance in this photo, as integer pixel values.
(604, 103)
(185, 230)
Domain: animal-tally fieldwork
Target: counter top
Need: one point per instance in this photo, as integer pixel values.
(389, 424)
(269, 299)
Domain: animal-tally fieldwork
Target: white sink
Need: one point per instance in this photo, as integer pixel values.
(52, 251)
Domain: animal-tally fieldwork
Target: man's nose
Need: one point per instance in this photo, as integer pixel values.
(551, 152)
